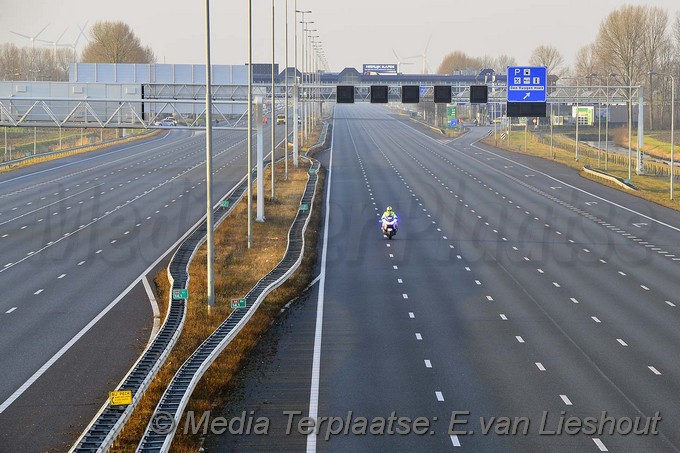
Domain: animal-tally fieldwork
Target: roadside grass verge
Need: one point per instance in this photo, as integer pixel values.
(237, 270)
(653, 187)
(37, 158)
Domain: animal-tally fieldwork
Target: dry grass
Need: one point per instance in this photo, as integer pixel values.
(237, 269)
(653, 188)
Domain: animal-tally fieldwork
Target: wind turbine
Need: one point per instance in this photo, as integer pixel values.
(423, 56)
(75, 43)
(55, 44)
(31, 38)
(399, 63)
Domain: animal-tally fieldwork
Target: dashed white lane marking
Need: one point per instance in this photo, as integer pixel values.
(503, 317)
(540, 271)
(405, 296)
(11, 310)
(411, 315)
(595, 318)
(395, 267)
(114, 241)
(478, 282)
(400, 280)
(454, 440)
(540, 366)
(621, 342)
(599, 444)
(654, 370)
(670, 303)
(566, 400)
(519, 339)
(622, 273)
(61, 276)
(98, 251)
(557, 285)
(489, 298)
(428, 364)
(81, 263)
(38, 292)
(603, 261)
(391, 255)
(574, 300)
(439, 396)
(467, 268)
(644, 287)
(419, 336)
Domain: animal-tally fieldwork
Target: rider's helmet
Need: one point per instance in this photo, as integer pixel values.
(389, 208)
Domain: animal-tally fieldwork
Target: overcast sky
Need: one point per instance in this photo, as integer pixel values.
(353, 32)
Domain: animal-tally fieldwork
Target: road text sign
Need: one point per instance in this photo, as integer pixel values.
(180, 294)
(527, 83)
(238, 303)
(120, 397)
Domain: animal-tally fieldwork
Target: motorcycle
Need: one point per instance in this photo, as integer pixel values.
(389, 226)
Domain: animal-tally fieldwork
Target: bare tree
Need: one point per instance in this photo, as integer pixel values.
(28, 63)
(115, 42)
(654, 44)
(587, 62)
(502, 63)
(549, 57)
(459, 61)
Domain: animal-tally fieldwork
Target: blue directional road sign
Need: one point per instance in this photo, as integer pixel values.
(527, 83)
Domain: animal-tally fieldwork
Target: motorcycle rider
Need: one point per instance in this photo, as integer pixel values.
(389, 212)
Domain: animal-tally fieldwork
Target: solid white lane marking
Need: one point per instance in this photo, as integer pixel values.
(623, 343)
(428, 364)
(566, 400)
(419, 336)
(411, 315)
(574, 300)
(595, 318)
(439, 395)
(503, 317)
(654, 370)
(38, 292)
(316, 357)
(519, 339)
(454, 440)
(599, 444)
(11, 310)
(540, 366)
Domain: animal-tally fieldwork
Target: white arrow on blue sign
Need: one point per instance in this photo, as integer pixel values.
(527, 83)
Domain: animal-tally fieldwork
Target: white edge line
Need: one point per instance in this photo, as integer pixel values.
(599, 444)
(316, 359)
(64, 349)
(154, 308)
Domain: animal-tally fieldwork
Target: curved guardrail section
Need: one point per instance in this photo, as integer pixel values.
(165, 419)
(109, 421)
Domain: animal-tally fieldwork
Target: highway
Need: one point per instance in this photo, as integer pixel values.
(514, 288)
(76, 237)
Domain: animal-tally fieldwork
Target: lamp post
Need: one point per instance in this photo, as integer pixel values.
(285, 101)
(577, 111)
(599, 123)
(672, 165)
(250, 125)
(273, 109)
(296, 88)
(208, 165)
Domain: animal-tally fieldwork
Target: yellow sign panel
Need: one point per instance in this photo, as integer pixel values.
(120, 397)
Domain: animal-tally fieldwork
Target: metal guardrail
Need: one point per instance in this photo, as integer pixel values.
(166, 417)
(110, 420)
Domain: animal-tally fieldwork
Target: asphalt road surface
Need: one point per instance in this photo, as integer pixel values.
(515, 295)
(76, 237)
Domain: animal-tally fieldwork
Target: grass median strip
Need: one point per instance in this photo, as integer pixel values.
(237, 270)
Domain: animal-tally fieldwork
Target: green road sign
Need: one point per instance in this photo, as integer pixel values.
(225, 204)
(238, 303)
(304, 207)
(451, 110)
(180, 294)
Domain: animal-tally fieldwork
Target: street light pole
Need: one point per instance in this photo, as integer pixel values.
(250, 125)
(273, 109)
(296, 93)
(285, 100)
(208, 165)
(672, 165)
